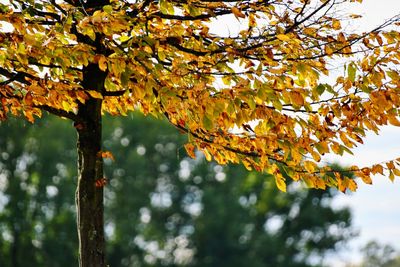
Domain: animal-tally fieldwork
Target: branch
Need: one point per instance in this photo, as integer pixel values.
(54, 3)
(52, 110)
(39, 13)
(31, 62)
(18, 76)
(58, 112)
(188, 17)
(114, 93)
(8, 81)
(228, 148)
(297, 23)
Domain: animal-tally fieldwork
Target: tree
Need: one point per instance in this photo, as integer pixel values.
(36, 217)
(210, 216)
(379, 255)
(258, 97)
(36, 188)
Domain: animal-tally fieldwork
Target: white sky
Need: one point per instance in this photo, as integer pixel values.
(375, 208)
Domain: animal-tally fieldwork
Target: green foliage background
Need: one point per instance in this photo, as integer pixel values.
(162, 208)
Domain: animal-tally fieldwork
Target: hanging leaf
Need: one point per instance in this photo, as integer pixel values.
(238, 14)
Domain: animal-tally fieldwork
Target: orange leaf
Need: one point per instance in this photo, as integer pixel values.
(102, 63)
(394, 121)
(107, 154)
(238, 14)
(190, 148)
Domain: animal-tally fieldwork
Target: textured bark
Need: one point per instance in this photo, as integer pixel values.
(89, 198)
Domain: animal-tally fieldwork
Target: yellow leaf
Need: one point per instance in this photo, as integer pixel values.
(322, 147)
(328, 50)
(28, 99)
(391, 176)
(247, 165)
(352, 185)
(280, 182)
(316, 156)
(166, 7)
(95, 94)
(320, 183)
(309, 166)
(345, 140)
(252, 20)
(207, 155)
(341, 184)
(89, 32)
(336, 24)
(283, 37)
(66, 106)
(365, 176)
(396, 172)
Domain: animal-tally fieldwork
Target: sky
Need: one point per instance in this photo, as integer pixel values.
(375, 208)
(376, 214)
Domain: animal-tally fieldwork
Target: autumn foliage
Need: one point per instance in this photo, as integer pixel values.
(288, 87)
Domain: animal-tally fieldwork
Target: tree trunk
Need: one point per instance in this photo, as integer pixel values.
(89, 197)
(14, 248)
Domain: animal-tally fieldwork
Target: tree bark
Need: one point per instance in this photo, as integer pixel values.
(89, 197)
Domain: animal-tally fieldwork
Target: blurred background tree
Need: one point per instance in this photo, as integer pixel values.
(37, 219)
(378, 255)
(162, 208)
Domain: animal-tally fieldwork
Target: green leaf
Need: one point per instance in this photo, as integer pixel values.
(344, 148)
(166, 7)
(252, 103)
(125, 77)
(124, 38)
(366, 89)
(320, 89)
(351, 72)
(89, 32)
(329, 88)
(108, 9)
(277, 104)
(207, 123)
(109, 85)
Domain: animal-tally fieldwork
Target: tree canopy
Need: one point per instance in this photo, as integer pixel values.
(259, 96)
